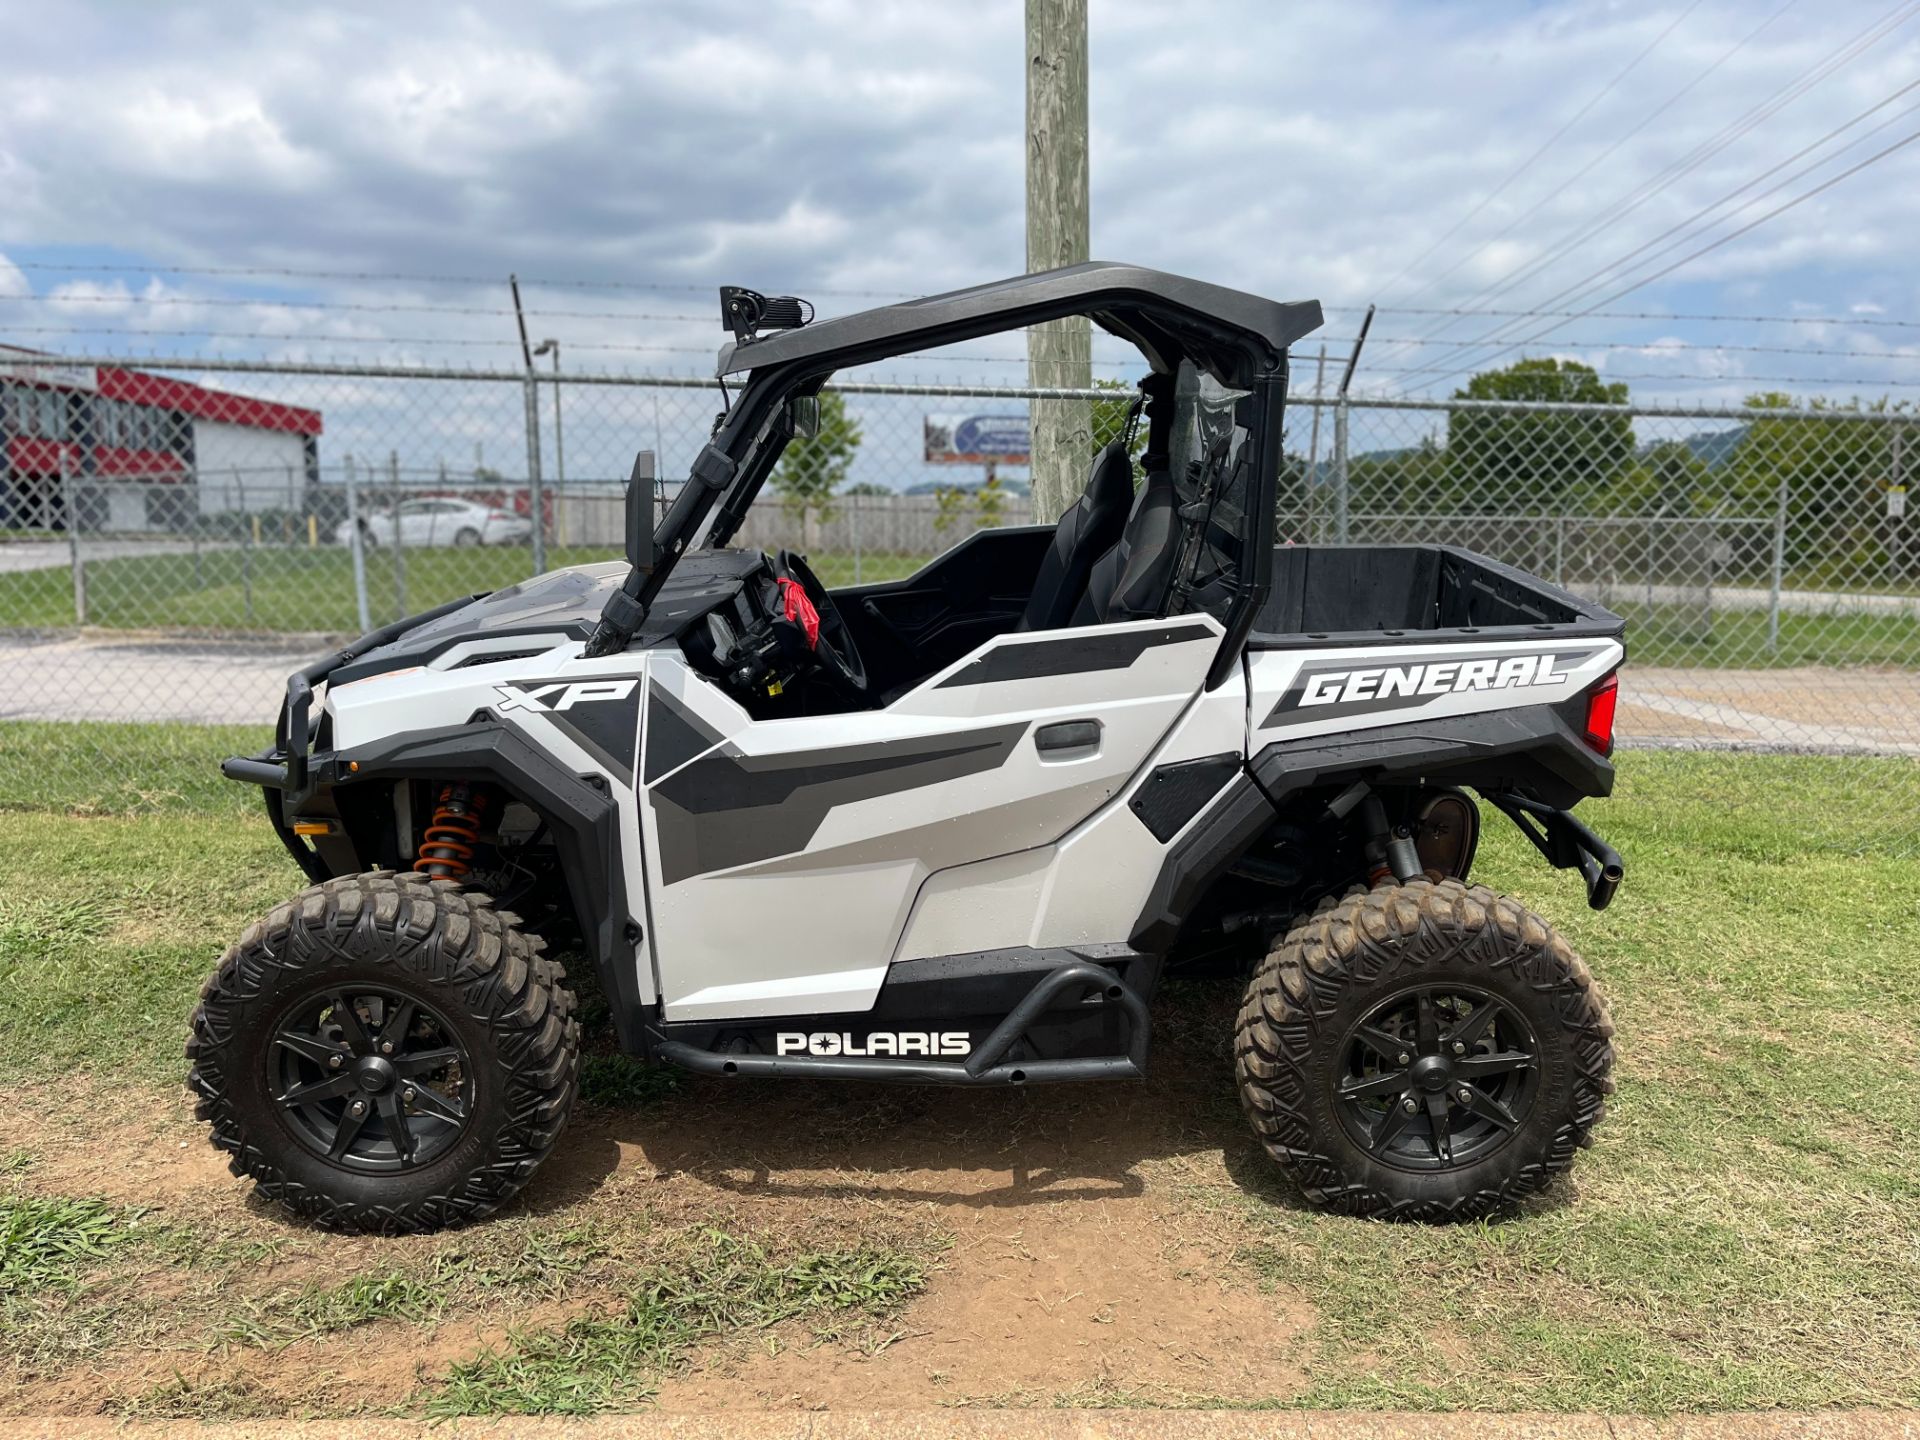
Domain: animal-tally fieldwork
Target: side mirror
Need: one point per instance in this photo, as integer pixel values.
(803, 416)
(640, 513)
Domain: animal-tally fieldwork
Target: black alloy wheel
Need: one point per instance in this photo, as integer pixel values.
(1437, 1076)
(370, 1079)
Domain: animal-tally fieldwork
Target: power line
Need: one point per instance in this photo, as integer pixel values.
(1700, 223)
(1597, 160)
(1645, 280)
(1547, 145)
(1617, 210)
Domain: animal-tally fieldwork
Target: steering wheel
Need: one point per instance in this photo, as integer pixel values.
(834, 646)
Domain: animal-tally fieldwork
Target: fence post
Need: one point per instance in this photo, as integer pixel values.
(854, 502)
(247, 522)
(1340, 471)
(198, 519)
(536, 500)
(68, 499)
(1779, 566)
(357, 543)
(399, 546)
(1310, 492)
(1650, 561)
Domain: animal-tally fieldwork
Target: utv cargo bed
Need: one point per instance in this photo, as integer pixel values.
(1328, 595)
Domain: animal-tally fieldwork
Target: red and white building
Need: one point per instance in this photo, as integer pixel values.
(137, 451)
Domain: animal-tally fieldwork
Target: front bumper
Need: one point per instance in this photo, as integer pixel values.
(291, 771)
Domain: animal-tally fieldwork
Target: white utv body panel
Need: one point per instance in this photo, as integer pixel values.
(1299, 694)
(544, 697)
(792, 856)
(1083, 888)
(784, 865)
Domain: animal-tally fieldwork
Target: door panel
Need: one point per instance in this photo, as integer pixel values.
(784, 856)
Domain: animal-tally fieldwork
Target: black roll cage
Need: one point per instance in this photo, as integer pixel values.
(1239, 339)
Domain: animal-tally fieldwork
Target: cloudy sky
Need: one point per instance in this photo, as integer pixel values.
(626, 158)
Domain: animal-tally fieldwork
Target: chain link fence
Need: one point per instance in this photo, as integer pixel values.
(175, 537)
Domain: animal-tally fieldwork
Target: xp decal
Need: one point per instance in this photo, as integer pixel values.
(602, 717)
(551, 695)
(1326, 690)
(946, 1044)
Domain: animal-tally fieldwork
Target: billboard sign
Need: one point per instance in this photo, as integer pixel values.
(978, 440)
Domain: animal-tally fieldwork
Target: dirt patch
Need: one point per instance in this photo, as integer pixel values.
(1059, 1263)
(89, 1137)
(1089, 1300)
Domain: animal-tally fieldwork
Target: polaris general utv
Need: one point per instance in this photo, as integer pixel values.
(947, 829)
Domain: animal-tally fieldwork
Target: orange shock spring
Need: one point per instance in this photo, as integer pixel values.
(446, 849)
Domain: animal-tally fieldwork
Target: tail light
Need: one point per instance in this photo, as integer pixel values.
(1600, 706)
(501, 515)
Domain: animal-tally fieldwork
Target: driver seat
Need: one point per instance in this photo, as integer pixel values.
(1091, 526)
(1131, 581)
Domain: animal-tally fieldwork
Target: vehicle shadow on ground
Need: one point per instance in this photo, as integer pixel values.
(998, 1148)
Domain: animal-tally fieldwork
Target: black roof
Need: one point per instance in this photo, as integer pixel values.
(1229, 332)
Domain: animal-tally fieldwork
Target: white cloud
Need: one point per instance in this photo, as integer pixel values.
(13, 280)
(862, 146)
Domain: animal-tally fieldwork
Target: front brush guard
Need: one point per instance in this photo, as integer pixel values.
(285, 772)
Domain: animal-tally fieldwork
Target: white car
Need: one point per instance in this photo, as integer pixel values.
(443, 520)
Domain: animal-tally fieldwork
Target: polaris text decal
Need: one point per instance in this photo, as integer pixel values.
(1329, 690)
(951, 1044)
(562, 694)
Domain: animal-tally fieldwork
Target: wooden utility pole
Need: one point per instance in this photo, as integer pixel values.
(1059, 353)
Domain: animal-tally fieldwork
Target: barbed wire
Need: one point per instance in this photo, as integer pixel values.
(324, 307)
(1667, 315)
(466, 342)
(1606, 375)
(413, 278)
(1651, 349)
(342, 306)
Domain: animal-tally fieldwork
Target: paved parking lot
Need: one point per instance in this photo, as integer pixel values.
(201, 682)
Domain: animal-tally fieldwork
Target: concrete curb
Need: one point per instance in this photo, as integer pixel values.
(965, 1424)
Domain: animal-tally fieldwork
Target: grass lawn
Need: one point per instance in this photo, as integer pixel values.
(1745, 1234)
(297, 589)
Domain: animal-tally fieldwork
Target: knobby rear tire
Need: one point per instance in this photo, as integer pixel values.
(1335, 965)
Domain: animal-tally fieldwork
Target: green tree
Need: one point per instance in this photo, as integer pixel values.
(813, 467)
(950, 503)
(1834, 466)
(989, 501)
(1505, 461)
(1399, 482)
